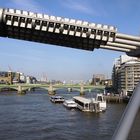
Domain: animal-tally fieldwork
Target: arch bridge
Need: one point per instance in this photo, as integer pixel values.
(22, 88)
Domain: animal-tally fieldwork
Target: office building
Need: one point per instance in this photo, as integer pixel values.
(97, 78)
(126, 74)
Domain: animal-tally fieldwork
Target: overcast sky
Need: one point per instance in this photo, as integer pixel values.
(62, 63)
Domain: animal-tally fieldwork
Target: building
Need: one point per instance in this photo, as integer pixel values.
(126, 74)
(106, 82)
(9, 77)
(30, 80)
(97, 78)
(15, 77)
(5, 77)
(116, 67)
(22, 78)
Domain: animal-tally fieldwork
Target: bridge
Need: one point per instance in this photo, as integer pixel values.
(22, 88)
(66, 32)
(25, 25)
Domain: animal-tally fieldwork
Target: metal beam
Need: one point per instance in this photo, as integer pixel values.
(122, 45)
(115, 48)
(127, 37)
(127, 42)
(1, 14)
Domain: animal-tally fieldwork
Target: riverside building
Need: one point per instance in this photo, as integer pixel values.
(9, 77)
(5, 77)
(126, 74)
(97, 79)
(15, 77)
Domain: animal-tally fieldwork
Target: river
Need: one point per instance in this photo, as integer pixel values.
(34, 117)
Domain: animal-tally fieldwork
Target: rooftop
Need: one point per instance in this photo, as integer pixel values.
(82, 99)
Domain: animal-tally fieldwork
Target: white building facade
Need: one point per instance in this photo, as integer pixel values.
(126, 74)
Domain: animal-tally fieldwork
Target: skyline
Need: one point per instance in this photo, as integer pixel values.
(63, 63)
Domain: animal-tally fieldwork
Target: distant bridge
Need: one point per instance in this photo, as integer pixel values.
(22, 88)
(66, 32)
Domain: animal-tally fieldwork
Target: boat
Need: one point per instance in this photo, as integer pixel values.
(57, 99)
(97, 104)
(70, 104)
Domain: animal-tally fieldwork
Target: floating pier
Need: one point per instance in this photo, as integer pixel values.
(113, 99)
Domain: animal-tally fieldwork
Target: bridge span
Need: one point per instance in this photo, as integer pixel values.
(25, 25)
(22, 88)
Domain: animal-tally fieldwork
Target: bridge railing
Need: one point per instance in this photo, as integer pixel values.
(128, 116)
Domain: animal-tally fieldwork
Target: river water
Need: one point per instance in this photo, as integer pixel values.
(34, 117)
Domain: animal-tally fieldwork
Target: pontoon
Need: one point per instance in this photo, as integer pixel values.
(97, 104)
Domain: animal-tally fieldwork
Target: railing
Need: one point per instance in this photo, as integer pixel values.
(128, 116)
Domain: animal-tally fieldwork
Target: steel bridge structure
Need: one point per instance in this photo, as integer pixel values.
(66, 32)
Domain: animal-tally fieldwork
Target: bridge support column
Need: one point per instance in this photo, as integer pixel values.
(51, 91)
(20, 90)
(82, 89)
(69, 89)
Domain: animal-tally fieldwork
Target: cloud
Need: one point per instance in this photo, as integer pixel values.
(81, 6)
(25, 5)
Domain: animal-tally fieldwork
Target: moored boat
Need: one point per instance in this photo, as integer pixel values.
(70, 104)
(57, 99)
(97, 104)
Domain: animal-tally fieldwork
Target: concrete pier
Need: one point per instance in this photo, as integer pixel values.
(69, 89)
(82, 89)
(51, 90)
(20, 90)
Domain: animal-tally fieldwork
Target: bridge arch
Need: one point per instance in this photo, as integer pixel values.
(7, 87)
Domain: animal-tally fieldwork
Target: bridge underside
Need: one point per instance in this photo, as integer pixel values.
(52, 38)
(66, 32)
(42, 28)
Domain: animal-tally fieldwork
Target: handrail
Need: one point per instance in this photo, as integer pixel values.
(128, 117)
